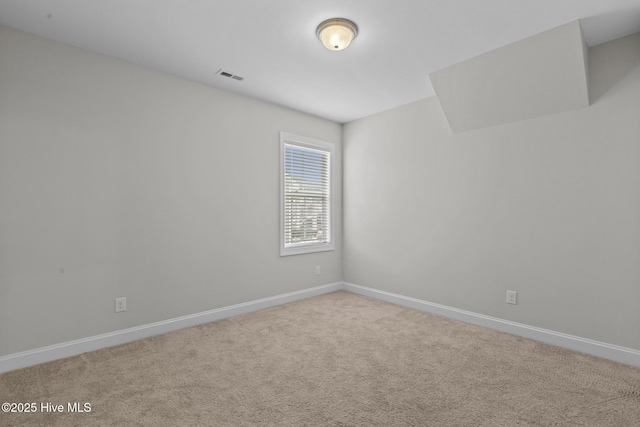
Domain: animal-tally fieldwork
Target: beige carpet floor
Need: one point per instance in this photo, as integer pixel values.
(335, 360)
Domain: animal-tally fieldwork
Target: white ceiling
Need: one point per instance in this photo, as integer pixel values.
(272, 43)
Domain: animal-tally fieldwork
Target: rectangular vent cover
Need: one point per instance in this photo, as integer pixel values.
(224, 73)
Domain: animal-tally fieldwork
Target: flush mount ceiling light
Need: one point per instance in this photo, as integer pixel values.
(337, 33)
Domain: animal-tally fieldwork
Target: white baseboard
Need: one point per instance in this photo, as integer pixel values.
(616, 353)
(75, 347)
(72, 348)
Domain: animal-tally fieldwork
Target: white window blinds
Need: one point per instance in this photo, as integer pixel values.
(306, 195)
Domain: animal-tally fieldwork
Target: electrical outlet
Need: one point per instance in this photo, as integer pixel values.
(317, 270)
(512, 297)
(121, 304)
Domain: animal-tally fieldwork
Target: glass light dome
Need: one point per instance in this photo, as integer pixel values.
(336, 33)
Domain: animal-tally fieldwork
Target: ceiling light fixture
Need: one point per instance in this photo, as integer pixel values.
(337, 33)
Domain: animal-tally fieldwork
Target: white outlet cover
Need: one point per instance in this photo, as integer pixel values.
(121, 304)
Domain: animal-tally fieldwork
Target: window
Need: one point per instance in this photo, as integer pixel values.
(305, 202)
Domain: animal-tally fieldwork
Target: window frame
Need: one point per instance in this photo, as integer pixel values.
(315, 144)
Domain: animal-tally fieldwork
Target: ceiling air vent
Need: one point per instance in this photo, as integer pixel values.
(224, 73)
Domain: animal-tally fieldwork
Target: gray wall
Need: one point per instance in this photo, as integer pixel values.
(547, 207)
(120, 181)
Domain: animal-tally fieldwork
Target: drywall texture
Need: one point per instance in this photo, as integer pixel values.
(540, 75)
(548, 207)
(118, 181)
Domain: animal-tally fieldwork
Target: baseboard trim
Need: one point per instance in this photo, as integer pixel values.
(24, 359)
(83, 345)
(616, 353)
